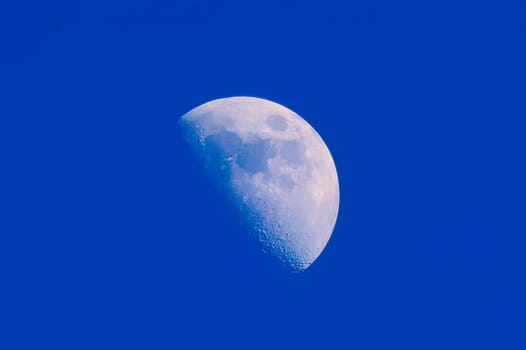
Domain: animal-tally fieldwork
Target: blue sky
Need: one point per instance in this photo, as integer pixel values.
(109, 240)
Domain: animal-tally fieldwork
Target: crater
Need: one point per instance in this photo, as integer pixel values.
(277, 122)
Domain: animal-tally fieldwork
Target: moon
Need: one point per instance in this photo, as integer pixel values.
(274, 168)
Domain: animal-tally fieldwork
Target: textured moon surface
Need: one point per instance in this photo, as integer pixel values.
(274, 168)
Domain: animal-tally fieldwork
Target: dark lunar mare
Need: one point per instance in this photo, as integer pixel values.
(254, 156)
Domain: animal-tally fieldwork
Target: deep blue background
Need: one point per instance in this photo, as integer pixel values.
(108, 240)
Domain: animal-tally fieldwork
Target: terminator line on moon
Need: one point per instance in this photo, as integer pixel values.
(274, 168)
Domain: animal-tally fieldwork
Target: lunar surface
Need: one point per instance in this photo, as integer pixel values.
(274, 168)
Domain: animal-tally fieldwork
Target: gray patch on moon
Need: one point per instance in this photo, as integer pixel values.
(293, 152)
(223, 145)
(286, 182)
(277, 122)
(254, 156)
(219, 149)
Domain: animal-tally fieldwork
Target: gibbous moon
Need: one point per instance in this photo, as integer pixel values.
(274, 168)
